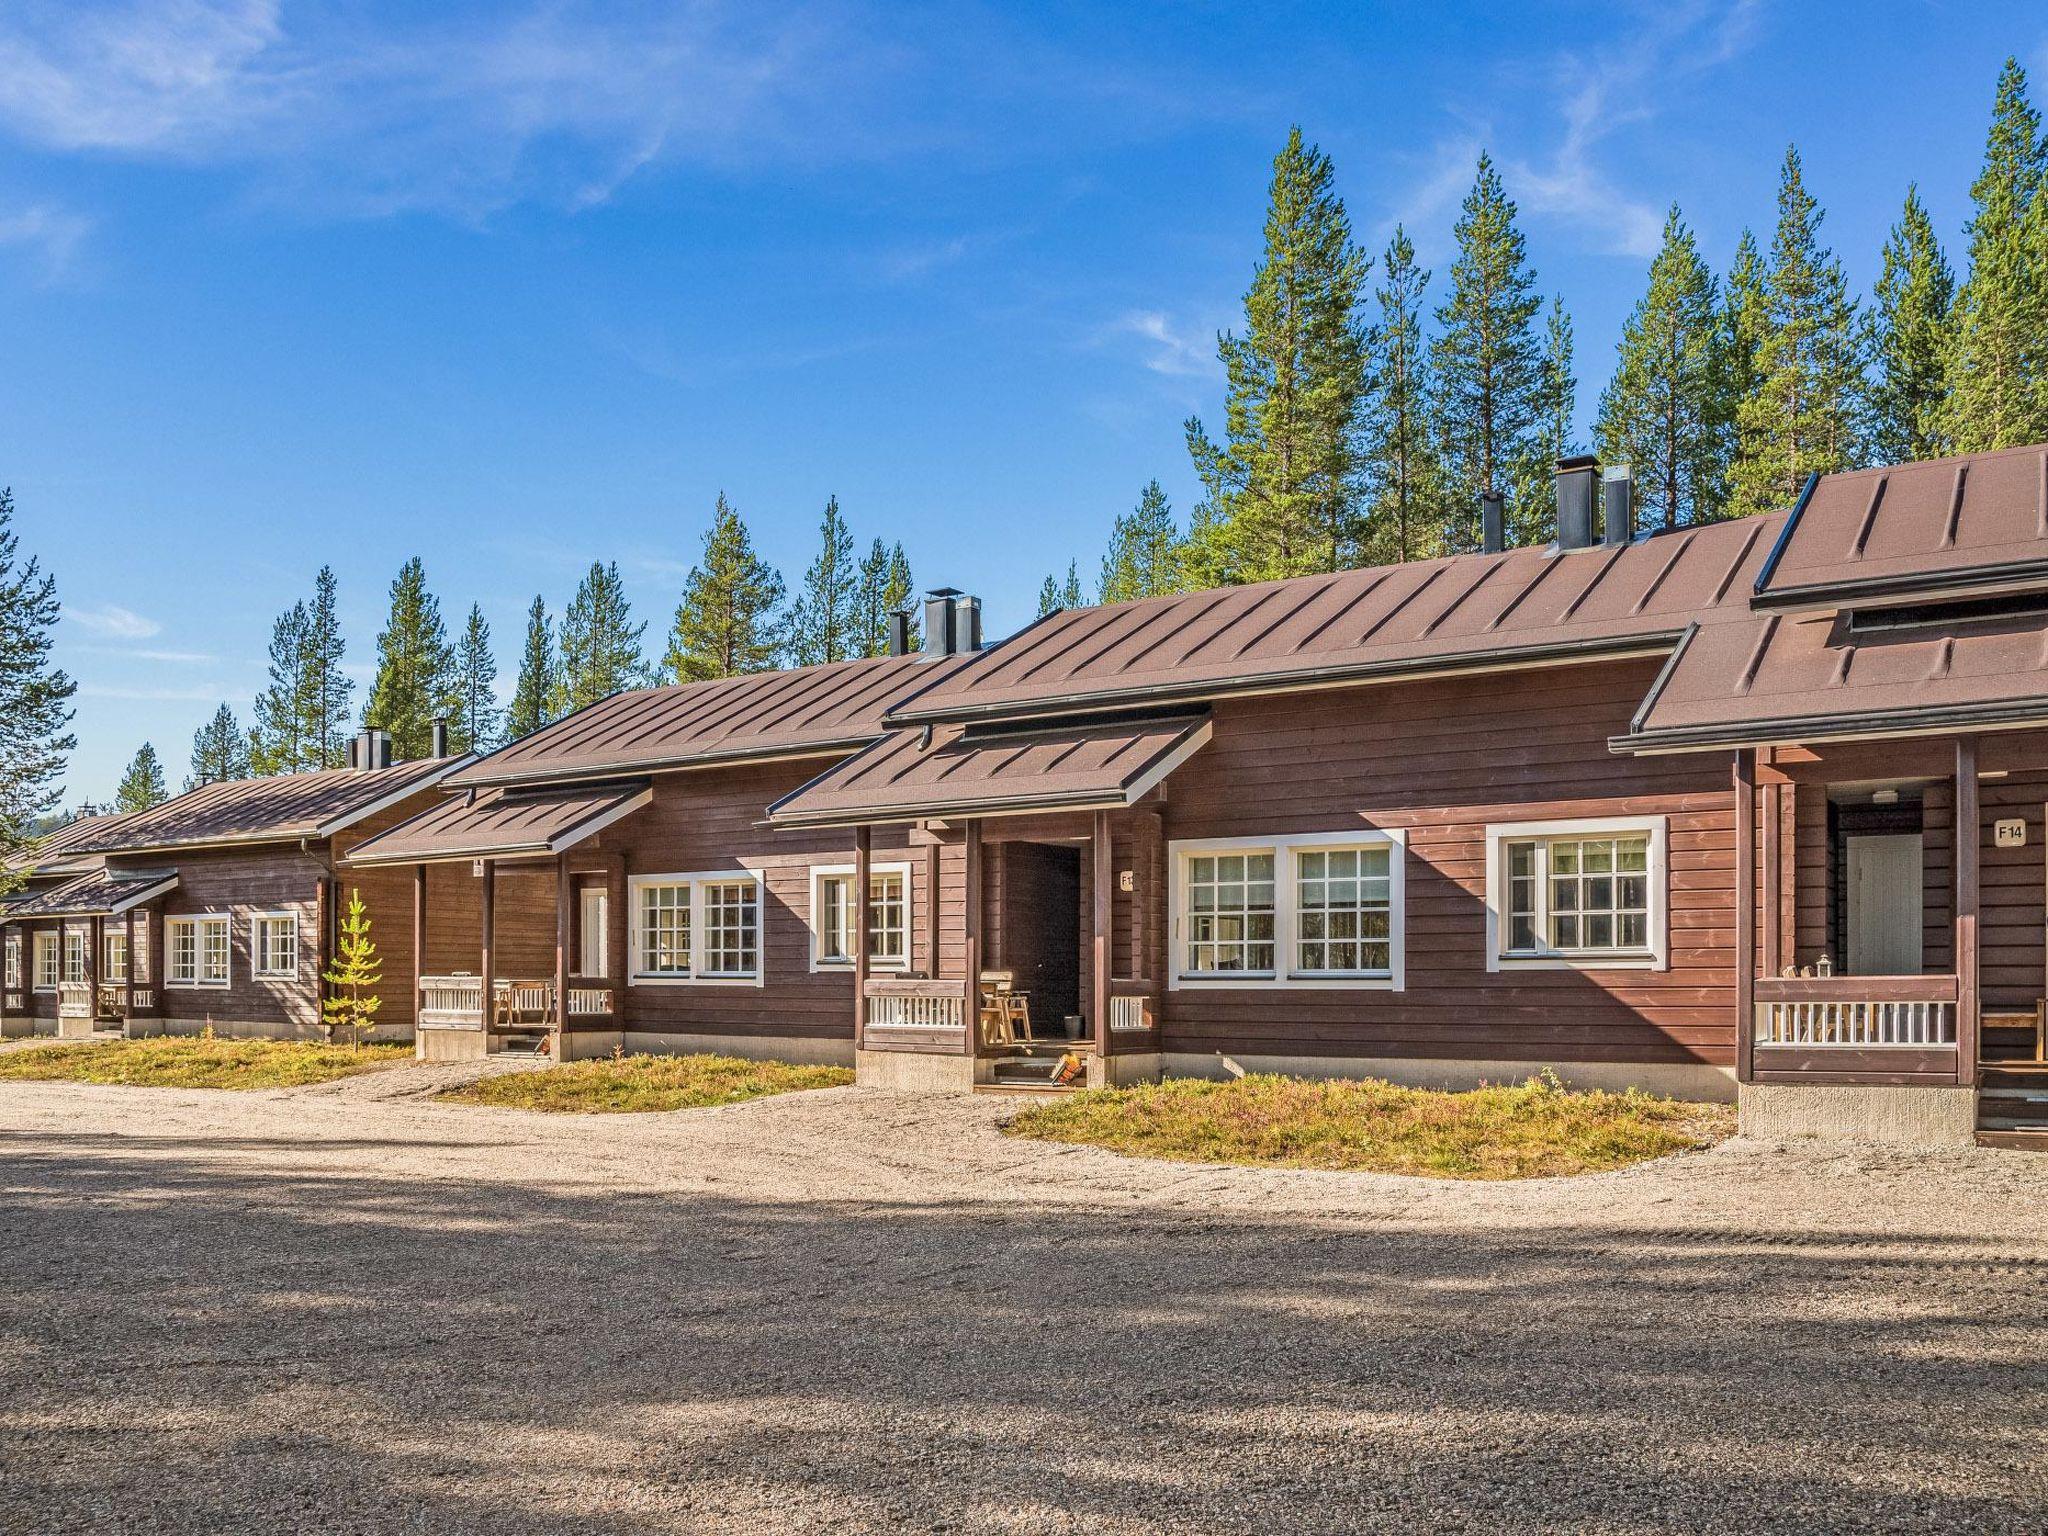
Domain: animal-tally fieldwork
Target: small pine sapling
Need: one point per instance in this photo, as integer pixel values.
(354, 976)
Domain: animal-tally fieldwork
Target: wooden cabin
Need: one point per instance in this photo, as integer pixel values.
(215, 910)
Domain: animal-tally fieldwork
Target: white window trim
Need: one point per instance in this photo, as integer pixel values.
(13, 982)
(83, 946)
(1500, 834)
(1285, 896)
(696, 882)
(820, 873)
(256, 968)
(196, 984)
(54, 941)
(108, 938)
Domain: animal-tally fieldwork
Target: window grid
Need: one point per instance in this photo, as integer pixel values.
(13, 963)
(1579, 895)
(114, 962)
(46, 962)
(1344, 911)
(198, 951)
(888, 908)
(665, 930)
(729, 928)
(74, 957)
(277, 945)
(1230, 920)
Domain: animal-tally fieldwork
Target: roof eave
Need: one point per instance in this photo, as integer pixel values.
(836, 747)
(1920, 586)
(2002, 714)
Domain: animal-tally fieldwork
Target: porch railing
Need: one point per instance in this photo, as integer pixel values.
(74, 1000)
(590, 1000)
(1856, 1012)
(907, 1002)
(1133, 1009)
(456, 1001)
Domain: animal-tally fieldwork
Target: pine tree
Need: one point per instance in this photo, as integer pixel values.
(1487, 359)
(1801, 418)
(532, 698)
(142, 785)
(1399, 445)
(1532, 506)
(1055, 594)
(899, 595)
(1144, 551)
(882, 588)
(353, 977)
(220, 752)
(279, 743)
(726, 623)
(1745, 321)
(1997, 370)
(415, 683)
(1912, 338)
(475, 726)
(825, 623)
(1284, 489)
(326, 689)
(600, 643)
(1665, 413)
(35, 697)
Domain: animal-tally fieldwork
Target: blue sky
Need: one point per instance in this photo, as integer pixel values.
(518, 286)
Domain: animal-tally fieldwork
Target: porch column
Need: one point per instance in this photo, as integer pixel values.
(1774, 877)
(1745, 915)
(972, 928)
(419, 940)
(323, 945)
(861, 858)
(1100, 930)
(128, 975)
(94, 940)
(932, 877)
(489, 931)
(616, 957)
(564, 889)
(159, 961)
(1967, 834)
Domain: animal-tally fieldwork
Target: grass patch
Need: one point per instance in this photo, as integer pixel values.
(1530, 1130)
(196, 1062)
(641, 1084)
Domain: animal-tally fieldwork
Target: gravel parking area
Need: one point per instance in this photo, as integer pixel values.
(349, 1308)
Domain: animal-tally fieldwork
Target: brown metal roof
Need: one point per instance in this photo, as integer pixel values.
(1776, 677)
(100, 895)
(57, 852)
(981, 770)
(504, 823)
(1460, 613)
(837, 706)
(1947, 526)
(287, 806)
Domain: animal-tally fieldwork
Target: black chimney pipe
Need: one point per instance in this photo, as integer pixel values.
(1575, 479)
(440, 738)
(1493, 522)
(1617, 505)
(899, 632)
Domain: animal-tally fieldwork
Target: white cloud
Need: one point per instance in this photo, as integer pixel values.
(114, 622)
(52, 235)
(1172, 349)
(167, 695)
(150, 653)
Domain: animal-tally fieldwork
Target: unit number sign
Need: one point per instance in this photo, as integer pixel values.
(2009, 834)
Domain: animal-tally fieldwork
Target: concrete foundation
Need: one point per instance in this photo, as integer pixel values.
(1914, 1117)
(800, 1050)
(74, 1029)
(451, 1045)
(1122, 1068)
(17, 1029)
(1713, 1085)
(252, 1029)
(913, 1072)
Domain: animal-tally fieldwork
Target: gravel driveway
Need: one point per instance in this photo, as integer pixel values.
(347, 1308)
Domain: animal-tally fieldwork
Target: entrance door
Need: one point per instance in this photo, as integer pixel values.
(1884, 904)
(594, 949)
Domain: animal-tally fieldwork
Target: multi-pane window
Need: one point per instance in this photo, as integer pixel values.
(198, 951)
(1343, 910)
(275, 943)
(13, 962)
(74, 956)
(664, 930)
(703, 928)
(729, 927)
(46, 958)
(1230, 913)
(1579, 891)
(114, 961)
(888, 917)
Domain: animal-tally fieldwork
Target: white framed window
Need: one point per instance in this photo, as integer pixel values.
(114, 956)
(198, 951)
(74, 956)
(832, 916)
(14, 962)
(1588, 892)
(594, 948)
(274, 945)
(46, 961)
(1313, 909)
(697, 929)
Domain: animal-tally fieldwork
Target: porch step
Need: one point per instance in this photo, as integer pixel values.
(2015, 1141)
(2013, 1099)
(1030, 1090)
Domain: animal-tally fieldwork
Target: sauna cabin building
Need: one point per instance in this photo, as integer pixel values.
(216, 909)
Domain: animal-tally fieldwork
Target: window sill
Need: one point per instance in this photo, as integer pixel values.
(1630, 960)
(694, 981)
(275, 975)
(197, 986)
(1221, 981)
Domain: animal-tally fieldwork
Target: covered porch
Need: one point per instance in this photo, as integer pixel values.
(518, 925)
(102, 936)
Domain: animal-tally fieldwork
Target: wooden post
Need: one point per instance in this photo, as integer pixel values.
(419, 939)
(159, 962)
(971, 915)
(323, 941)
(1100, 931)
(1745, 915)
(862, 840)
(490, 928)
(1774, 873)
(93, 941)
(932, 877)
(1967, 834)
(563, 891)
(615, 919)
(128, 974)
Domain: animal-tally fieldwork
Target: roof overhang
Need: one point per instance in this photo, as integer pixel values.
(543, 823)
(93, 896)
(1871, 725)
(588, 773)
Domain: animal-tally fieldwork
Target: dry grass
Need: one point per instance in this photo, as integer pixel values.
(197, 1062)
(1533, 1130)
(639, 1084)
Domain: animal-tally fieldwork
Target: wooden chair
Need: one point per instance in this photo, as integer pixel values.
(524, 1005)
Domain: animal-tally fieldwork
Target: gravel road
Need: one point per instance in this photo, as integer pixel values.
(348, 1308)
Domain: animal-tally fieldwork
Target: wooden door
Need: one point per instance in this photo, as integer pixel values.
(1884, 904)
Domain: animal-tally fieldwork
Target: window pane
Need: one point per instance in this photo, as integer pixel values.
(1229, 918)
(1332, 913)
(729, 928)
(665, 930)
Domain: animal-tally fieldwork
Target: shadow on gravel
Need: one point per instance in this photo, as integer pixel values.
(205, 1348)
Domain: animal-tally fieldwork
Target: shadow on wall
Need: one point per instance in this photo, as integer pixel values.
(471, 1355)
